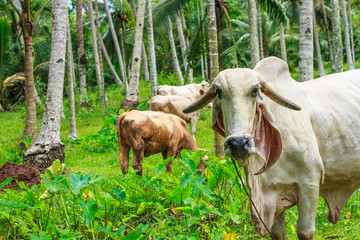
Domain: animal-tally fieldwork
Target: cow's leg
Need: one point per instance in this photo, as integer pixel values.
(138, 159)
(279, 228)
(193, 127)
(307, 205)
(169, 153)
(124, 158)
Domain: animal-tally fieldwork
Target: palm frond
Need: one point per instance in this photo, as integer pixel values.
(5, 39)
(42, 67)
(275, 9)
(166, 8)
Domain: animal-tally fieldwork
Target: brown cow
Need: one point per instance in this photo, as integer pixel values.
(148, 133)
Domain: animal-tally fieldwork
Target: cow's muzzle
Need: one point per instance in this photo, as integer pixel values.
(239, 147)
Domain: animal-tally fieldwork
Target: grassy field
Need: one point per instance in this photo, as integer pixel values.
(96, 152)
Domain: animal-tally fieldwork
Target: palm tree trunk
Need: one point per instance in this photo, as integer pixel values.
(351, 34)
(116, 44)
(31, 119)
(143, 51)
(254, 42)
(151, 46)
(132, 95)
(261, 43)
(338, 48)
(183, 46)
(173, 52)
(318, 50)
(185, 31)
(96, 55)
(347, 38)
(48, 146)
(81, 54)
(306, 47)
(202, 57)
(214, 65)
(282, 43)
(331, 57)
(97, 21)
(70, 76)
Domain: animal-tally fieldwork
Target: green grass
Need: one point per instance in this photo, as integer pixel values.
(89, 156)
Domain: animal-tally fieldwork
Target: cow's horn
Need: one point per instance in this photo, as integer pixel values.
(268, 91)
(204, 100)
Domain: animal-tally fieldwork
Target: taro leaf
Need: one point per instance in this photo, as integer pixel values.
(203, 188)
(55, 168)
(95, 178)
(6, 182)
(133, 235)
(161, 209)
(89, 208)
(197, 156)
(120, 195)
(41, 236)
(181, 194)
(190, 164)
(58, 183)
(161, 167)
(143, 206)
(78, 181)
(110, 232)
(11, 204)
(184, 180)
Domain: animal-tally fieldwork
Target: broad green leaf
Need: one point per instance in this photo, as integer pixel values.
(184, 180)
(110, 232)
(133, 235)
(89, 208)
(162, 166)
(59, 183)
(6, 182)
(143, 206)
(55, 168)
(78, 181)
(41, 236)
(12, 204)
(204, 189)
(120, 194)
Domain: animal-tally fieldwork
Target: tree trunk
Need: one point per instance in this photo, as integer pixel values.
(282, 43)
(132, 95)
(1, 108)
(99, 45)
(338, 49)
(202, 57)
(70, 76)
(84, 100)
(214, 66)
(318, 50)
(143, 51)
(185, 31)
(116, 44)
(351, 34)
(261, 43)
(48, 146)
(183, 47)
(151, 46)
(306, 44)
(173, 52)
(254, 42)
(347, 38)
(96, 56)
(331, 57)
(31, 119)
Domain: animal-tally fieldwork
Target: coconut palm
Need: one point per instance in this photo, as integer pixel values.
(351, 64)
(338, 49)
(151, 46)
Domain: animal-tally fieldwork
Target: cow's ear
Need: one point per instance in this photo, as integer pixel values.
(217, 119)
(267, 138)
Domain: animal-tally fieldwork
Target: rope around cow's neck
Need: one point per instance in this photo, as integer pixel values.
(251, 201)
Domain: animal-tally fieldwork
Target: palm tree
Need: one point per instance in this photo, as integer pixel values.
(338, 49)
(97, 21)
(70, 73)
(306, 69)
(28, 18)
(183, 45)
(48, 147)
(151, 46)
(174, 58)
(351, 34)
(254, 42)
(214, 66)
(282, 42)
(132, 94)
(331, 57)
(81, 54)
(96, 55)
(351, 65)
(318, 50)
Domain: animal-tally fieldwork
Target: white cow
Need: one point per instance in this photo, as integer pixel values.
(189, 89)
(313, 152)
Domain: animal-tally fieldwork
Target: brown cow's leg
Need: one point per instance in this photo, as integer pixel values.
(124, 158)
(193, 127)
(170, 153)
(138, 159)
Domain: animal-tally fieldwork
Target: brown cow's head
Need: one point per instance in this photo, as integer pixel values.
(241, 115)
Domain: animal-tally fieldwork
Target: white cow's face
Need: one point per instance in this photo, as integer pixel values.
(237, 93)
(241, 115)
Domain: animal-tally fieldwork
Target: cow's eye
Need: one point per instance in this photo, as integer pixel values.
(254, 92)
(218, 93)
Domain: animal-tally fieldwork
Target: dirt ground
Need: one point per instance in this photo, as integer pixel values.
(27, 174)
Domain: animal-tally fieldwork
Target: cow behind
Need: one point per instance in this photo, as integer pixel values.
(186, 90)
(148, 133)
